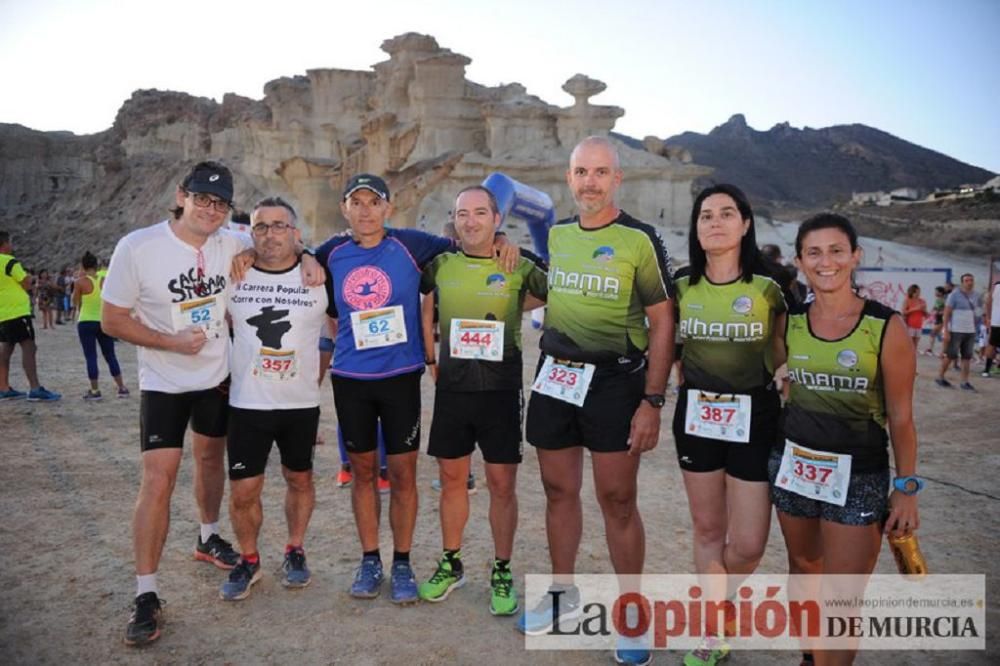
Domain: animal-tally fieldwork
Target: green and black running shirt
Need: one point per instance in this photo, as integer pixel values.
(836, 401)
(475, 288)
(727, 331)
(600, 282)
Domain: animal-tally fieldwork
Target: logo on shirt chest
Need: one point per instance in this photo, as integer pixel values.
(191, 285)
(366, 287)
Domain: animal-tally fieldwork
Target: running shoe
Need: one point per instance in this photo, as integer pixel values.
(440, 585)
(556, 607)
(93, 396)
(634, 651)
(12, 394)
(966, 386)
(241, 578)
(384, 487)
(711, 652)
(123, 392)
(503, 596)
(147, 618)
(403, 583)
(943, 383)
(344, 477)
(216, 550)
(368, 579)
(297, 574)
(42, 394)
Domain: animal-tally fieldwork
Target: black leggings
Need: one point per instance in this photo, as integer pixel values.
(91, 335)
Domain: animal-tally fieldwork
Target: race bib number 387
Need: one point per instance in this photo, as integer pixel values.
(714, 416)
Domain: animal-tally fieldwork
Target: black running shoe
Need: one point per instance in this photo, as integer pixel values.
(144, 625)
(216, 550)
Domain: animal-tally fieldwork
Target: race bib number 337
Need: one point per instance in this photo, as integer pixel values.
(818, 475)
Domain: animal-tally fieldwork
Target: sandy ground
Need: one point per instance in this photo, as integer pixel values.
(72, 471)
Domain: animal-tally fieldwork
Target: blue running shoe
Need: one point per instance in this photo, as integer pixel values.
(42, 394)
(12, 394)
(404, 585)
(368, 580)
(241, 578)
(559, 605)
(296, 572)
(634, 651)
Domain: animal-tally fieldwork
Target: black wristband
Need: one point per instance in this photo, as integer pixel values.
(430, 361)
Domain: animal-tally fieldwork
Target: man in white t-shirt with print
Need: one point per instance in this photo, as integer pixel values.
(174, 276)
(274, 397)
(959, 335)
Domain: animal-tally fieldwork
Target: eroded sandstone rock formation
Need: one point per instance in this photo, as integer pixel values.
(414, 118)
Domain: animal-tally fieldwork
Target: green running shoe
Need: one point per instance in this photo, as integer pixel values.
(712, 651)
(441, 583)
(503, 596)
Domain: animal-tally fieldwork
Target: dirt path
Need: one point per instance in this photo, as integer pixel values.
(72, 471)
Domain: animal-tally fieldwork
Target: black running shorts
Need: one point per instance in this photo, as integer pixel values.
(601, 425)
(747, 462)
(253, 431)
(163, 417)
(362, 403)
(492, 418)
(14, 331)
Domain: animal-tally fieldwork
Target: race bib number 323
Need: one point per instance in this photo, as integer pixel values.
(564, 381)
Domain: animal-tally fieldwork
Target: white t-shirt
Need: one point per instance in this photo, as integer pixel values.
(995, 313)
(277, 323)
(155, 273)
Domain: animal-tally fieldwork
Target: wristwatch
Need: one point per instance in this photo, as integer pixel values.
(908, 485)
(655, 399)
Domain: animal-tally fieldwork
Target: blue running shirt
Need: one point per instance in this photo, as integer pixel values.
(382, 276)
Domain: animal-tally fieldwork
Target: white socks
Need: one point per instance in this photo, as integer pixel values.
(146, 583)
(207, 530)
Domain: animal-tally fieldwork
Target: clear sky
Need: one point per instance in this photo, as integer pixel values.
(927, 71)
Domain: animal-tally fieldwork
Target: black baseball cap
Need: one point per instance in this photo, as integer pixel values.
(210, 178)
(366, 181)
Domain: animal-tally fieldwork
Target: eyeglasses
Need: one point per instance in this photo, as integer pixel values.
(202, 200)
(278, 227)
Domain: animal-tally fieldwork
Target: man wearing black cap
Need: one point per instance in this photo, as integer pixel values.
(173, 275)
(377, 367)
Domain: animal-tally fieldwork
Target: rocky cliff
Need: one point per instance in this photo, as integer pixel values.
(413, 118)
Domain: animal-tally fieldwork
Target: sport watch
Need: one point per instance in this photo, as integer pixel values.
(655, 399)
(908, 485)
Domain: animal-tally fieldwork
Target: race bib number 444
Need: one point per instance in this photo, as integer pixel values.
(818, 475)
(477, 339)
(564, 381)
(378, 328)
(714, 416)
